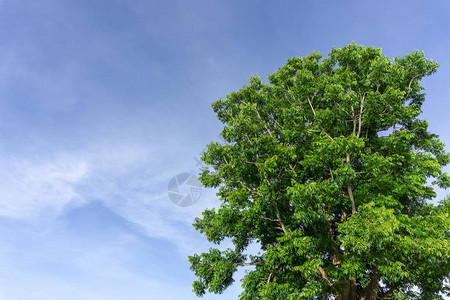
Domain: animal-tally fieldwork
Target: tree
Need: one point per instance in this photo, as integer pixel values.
(329, 169)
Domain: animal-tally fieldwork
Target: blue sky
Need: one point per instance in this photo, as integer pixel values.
(103, 102)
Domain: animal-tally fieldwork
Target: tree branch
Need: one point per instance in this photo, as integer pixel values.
(409, 88)
(249, 189)
(310, 104)
(350, 191)
(354, 120)
(269, 219)
(325, 276)
(278, 216)
(278, 124)
(265, 125)
(361, 111)
(256, 263)
(386, 295)
(370, 291)
(270, 277)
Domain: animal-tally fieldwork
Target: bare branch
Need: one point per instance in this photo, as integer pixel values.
(354, 120)
(278, 124)
(323, 130)
(265, 125)
(249, 189)
(310, 104)
(278, 216)
(385, 128)
(325, 276)
(256, 263)
(350, 192)
(269, 219)
(361, 111)
(409, 88)
(292, 168)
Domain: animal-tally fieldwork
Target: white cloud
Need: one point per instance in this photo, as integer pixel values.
(128, 177)
(143, 200)
(30, 187)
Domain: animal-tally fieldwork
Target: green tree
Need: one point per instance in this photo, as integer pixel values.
(328, 168)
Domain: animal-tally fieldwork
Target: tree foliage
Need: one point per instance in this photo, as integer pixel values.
(329, 169)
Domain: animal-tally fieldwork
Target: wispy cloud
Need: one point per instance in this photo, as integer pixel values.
(33, 187)
(131, 180)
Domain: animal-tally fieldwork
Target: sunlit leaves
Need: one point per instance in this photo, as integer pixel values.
(327, 166)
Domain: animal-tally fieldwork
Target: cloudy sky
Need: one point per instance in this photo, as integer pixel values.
(102, 103)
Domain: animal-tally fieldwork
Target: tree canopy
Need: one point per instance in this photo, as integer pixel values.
(329, 169)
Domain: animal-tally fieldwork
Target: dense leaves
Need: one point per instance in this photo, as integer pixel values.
(328, 168)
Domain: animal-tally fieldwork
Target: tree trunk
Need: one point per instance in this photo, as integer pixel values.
(371, 290)
(368, 293)
(349, 292)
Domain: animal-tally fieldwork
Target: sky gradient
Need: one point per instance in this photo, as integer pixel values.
(103, 102)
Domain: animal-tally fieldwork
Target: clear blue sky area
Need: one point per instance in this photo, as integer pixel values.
(102, 103)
